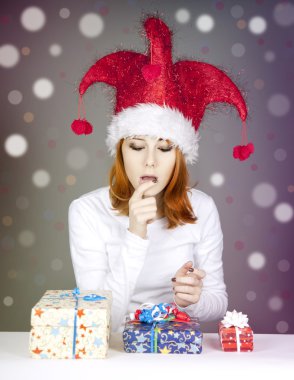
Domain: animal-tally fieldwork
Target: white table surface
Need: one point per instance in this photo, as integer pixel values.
(273, 355)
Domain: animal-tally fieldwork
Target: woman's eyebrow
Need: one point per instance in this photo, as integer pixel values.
(137, 138)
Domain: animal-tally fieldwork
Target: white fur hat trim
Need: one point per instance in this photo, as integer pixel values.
(153, 120)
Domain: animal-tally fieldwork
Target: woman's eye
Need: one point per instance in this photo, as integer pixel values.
(162, 149)
(135, 147)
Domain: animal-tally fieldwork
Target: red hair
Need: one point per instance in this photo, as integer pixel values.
(176, 205)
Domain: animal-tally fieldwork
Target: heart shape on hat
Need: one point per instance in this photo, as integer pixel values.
(151, 72)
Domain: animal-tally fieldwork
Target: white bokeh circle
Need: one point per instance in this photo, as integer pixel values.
(43, 88)
(77, 158)
(22, 202)
(283, 212)
(282, 327)
(56, 264)
(284, 265)
(182, 16)
(251, 295)
(9, 56)
(41, 178)
(217, 179)
(264, 194)
(238, 50)
(8, 301)
(16, 145)
(284, 13)
(26, 238)
(280, 154)
(257, 25)
(55, 50)
(237, 11)
(91, 25)
(15, 97)
(204, 23)
(278, 105)
(33, 19)
(275, 303)
(269, 56)
(256, 260)
(64, 13)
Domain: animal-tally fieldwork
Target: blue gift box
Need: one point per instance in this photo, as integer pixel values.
(164, 337)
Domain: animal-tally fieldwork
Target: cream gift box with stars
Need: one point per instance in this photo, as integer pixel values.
(68, 324)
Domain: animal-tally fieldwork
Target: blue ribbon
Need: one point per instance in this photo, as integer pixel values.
(90, 298)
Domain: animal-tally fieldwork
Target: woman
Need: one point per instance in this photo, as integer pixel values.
(138, 256)
(148, 236)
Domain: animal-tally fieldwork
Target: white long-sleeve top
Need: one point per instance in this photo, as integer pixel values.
(106, 255)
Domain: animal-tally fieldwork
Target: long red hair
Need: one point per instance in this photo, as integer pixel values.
(176, 205)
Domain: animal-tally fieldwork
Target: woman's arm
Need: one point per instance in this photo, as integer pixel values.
(97, 265)
(213, 300)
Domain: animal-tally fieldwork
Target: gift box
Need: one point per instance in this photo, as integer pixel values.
(235, 333)
(71, 324)
(165, 336)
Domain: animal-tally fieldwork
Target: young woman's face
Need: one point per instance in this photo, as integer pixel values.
(144, 155)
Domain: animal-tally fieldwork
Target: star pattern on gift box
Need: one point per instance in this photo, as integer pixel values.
(164, 350)
(140, 348)
(63, 322)
(98, 342)
(38, 312)
(83, 351)
(141, 338)
(55, 331)
(194, 348)
(37, 351)
(80, 313)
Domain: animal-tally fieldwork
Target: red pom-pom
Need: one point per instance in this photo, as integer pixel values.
(81, 126)
(242, 152)
(151, 72)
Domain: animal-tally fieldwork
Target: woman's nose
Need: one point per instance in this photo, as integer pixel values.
(150, 159)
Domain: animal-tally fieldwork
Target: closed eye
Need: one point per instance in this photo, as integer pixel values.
(162, 149)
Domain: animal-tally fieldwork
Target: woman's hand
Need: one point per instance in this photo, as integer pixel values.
(141, 211)
(187, 285)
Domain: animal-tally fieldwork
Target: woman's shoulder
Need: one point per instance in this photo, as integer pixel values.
(198, 197)
(92, 200)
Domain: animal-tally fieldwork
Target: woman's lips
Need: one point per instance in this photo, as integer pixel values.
(146, 179)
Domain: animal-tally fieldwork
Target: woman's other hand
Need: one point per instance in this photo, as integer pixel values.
(187, 284)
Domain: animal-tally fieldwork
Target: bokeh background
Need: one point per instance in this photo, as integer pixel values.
(46, 47)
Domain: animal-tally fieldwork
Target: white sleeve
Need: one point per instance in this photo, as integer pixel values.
(97, 265)
(213, 301)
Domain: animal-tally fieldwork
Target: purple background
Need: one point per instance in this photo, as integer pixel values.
(254, 197)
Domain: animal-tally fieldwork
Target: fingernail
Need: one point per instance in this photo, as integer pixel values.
(173, 279)
(191, 270)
